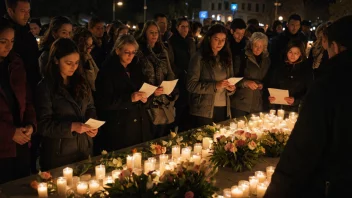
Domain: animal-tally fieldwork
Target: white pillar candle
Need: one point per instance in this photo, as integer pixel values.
(163, 158)
(108, 180)
(261, 189)
(93, 186)
(206, 142)
(116, 174)
(272, 111)
(68, 174)
(153, 161)
(100, 171)
(129, 162)
(241, 124)
(42, 190)
(270, 171)
(75, 181)
(137, 160)
(196, 159)
(261, 176)
(82, 188)
(281, 113)
(162, 167)
(176, 150)
(205, 153)
(227, 193)
(186, 154)
(293, 116)
(244, 185)
(253, 182)
(236, 192)
(197, 149)
(61, 184)
(147, 166)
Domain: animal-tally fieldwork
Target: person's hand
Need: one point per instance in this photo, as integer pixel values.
(231, 88)
(222, 84)
(260, 86)
(144, 99)
(80, 127)
(289, 100)
(137, 96)
(20, 137)
(251, 84)
(271, 99)
(159, 91)
(92, 133)
(28, 130)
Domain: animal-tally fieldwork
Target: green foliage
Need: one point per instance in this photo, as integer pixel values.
(274, 142)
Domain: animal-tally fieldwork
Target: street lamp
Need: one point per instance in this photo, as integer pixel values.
(120, 3)
(145, 10)
(276, 4)
(281, 18)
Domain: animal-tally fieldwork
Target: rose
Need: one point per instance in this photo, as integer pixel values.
(157, 149)
(240, 143)
(189, 194)
(247, 135)
(239, 132)
(104, 152)
(34, 184)
(134, 150)
(44, 175)
(199, 137)
(254, 136)
(252, 145)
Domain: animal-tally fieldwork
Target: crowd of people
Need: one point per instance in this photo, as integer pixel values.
(48, 91)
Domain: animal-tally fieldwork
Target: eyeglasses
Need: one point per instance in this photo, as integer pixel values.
(130, 53)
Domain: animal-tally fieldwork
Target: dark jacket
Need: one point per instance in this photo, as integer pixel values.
(246, 66)
(56, 110)
(296, 78)
(21, 91)
(100, 51)
(315, 161)
(127, 122)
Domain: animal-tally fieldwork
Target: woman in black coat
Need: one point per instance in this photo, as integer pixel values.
(64, 102)
(118, 100)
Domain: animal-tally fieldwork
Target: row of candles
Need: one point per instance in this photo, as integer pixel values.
(256, 185)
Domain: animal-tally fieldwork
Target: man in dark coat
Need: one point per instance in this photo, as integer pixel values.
(316, 162)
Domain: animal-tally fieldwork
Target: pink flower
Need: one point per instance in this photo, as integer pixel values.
(248, 135)
(230, 147)
(240, 143)
(254, 136)
(239, 132)
(45, 175)
(252, 145)
(189, 194)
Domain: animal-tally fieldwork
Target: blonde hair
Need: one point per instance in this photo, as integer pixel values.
(258, 36)
(124, 40)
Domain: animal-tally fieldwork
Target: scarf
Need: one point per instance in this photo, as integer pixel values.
(317, 53)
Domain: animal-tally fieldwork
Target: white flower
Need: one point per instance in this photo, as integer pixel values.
(164, 143)
(119, 162)
(104, 152)
(179, 139)
(199, 138)
(152, 146)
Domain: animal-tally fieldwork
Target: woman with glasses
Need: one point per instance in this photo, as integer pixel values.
(84, 40)
(118, 100)
(156, 68)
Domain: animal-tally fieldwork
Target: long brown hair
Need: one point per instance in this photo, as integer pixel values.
(142, 39)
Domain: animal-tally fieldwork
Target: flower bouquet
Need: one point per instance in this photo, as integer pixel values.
(44, 177)
(274, 142)
(240, 151)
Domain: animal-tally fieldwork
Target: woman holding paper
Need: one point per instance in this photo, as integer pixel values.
(119, 101)
(156, 69)
(207, 77)
(294, 75)
(253, 66)
(64, 103)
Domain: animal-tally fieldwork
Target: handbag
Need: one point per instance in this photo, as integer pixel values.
(162, 114)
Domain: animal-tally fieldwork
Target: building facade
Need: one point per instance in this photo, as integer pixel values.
(223, 10)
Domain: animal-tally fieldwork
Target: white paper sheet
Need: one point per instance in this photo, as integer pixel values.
(168, 86)
(234, 81)
(279, 95)
(95, 124)
(148, 89)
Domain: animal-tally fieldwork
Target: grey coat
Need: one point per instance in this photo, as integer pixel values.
(202, 87)
(245, 99)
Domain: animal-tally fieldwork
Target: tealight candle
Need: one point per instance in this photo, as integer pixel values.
(253, 182)
(100, 171)
(196, 159)
(42, 190)
(261, 176)
(129, 162)
(61, 184)
(176, 150)
(82, 188)
(261, 189)
(227, 192)
(244, 185)
(236, 192)
(137, 160)
(163, 158)
(206, 142)
(270, 171)
(272, 112)
(281, 113)
(197, 149)
(93, 186)
(116, 174)
(68, 173)
(186, 154)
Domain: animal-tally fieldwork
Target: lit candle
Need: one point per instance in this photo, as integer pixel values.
(85, 177)
(281, 113)
(292, 116)
(261, 176)
(206, 142)
(241, 124)
(270, 171)
(244, 185)
(163, 158)
(82, 188)
(223, 131)
(42, 190)
(109, 180)
(68, 173)
(162, 167)
(236, 192)
(137, 160)
(261, 115)
(261, 189)
(153, 161)
(205, 153)
(100, 171)
(129, 162)
(197, 149)
(272, 112)
(186, 154)
(233, 125)
(61, 184)
(147, 166)
(116, 174)
(93, 186)
(75, 181)
(227, 192)
(176, 152)
(196, 159)
(253, 182)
